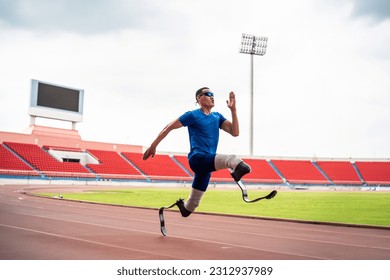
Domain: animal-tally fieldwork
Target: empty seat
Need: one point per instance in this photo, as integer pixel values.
(45, 163)
(10, 164)
(262, 172)
(158, 167)
(374, 173)
(340, 172)
(112, 165)
(300, 172)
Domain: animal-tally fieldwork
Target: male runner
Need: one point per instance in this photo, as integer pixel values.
(203, 128)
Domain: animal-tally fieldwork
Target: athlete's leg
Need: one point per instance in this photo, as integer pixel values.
(202, 165)
(226, 161)
(239, 167)
(193, 200)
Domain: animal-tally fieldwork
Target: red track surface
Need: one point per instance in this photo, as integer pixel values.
(44, 229)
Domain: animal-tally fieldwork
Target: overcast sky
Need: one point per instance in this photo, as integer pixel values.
(322, 89)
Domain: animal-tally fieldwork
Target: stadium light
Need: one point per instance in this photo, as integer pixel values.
(253, 45)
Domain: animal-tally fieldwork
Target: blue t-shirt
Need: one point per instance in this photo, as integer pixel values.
(203, 130)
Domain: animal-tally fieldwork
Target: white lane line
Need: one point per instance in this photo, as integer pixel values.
(222, 244)
(237, 232)
(218, 229)
(235, 222)
(242, 222)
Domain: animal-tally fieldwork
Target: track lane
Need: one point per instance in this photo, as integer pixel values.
(132, 233)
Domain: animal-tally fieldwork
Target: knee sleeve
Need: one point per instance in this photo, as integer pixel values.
(226, 161)
(194, 200)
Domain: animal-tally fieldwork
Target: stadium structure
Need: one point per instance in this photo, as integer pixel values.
(48, 155)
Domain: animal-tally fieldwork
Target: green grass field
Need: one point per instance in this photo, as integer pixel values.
(369, 208)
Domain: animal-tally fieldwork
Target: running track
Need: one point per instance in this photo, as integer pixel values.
(33, 228)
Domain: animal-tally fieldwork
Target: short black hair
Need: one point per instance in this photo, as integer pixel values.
(199, 91)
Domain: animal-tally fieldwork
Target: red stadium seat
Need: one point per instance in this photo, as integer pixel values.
(340, 172)
(300, 172)
(374, 173)
(112, 165)
(158, 167)
(45, 163)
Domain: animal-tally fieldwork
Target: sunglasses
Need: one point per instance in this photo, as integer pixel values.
(209, 94)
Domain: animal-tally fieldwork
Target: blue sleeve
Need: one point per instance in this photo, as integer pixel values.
(221, 119)
(187, 118)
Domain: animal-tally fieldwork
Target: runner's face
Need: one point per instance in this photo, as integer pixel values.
(206, 99)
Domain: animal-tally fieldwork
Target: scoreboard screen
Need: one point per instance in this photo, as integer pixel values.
(56, 102)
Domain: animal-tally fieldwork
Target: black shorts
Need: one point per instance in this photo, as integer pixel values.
(202, 165)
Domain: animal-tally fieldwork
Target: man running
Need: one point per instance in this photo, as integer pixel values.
(203, 129)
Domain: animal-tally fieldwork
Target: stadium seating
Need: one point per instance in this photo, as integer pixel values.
(113, 166)
(183, 161)
(340, 172)
(374, 173)
(158, 167)
(21, 159)
(300, 172)
(12, 165)
(262, 172)
(46, 164)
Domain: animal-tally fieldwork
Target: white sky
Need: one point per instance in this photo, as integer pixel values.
(322, 89)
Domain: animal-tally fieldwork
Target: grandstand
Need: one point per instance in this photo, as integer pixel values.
(300, 172)
(57, 154)
(340, 172)
(374, 173)
(11, 164)
(44, 163)
(48, 153)
(161, 167)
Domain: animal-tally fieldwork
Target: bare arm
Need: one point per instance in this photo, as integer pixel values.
(151, 151)
(232, 127)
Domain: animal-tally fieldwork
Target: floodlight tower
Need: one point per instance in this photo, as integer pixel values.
(253, 45)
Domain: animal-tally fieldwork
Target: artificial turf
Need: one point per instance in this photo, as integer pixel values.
(360, 207)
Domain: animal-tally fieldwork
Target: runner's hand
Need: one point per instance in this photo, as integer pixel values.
(151, 151)
(231, 103)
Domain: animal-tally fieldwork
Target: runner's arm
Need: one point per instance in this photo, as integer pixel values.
(151, 151)
(231, 127)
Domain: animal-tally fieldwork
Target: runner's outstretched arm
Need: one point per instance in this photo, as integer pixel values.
(151, 151)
